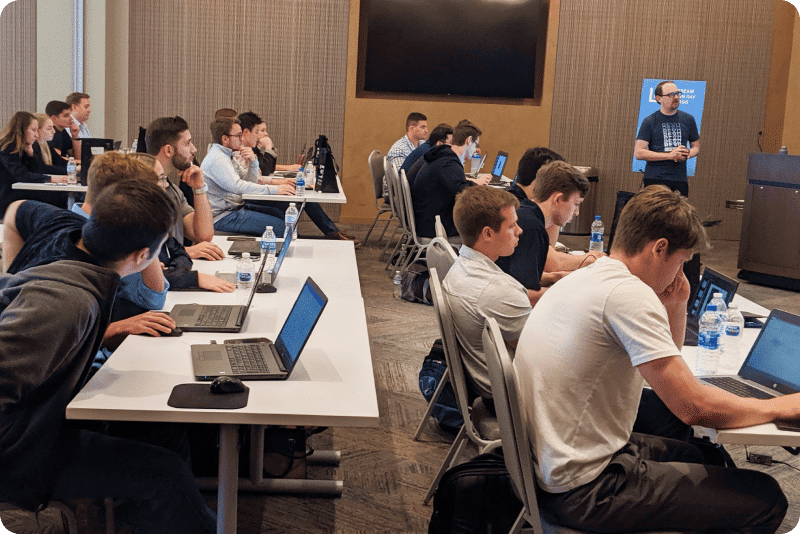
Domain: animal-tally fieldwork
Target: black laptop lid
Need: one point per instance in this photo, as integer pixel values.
(300, 323)
(774, 359)
(90, 147)
(711, 282)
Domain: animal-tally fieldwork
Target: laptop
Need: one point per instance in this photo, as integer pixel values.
(90, 147)
(253, 246)
(282, 247)
(497, 168)
(264, 360)
(215, 317)
(711, 282)
(772, 367)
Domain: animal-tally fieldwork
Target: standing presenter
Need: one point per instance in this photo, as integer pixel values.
(662, 141)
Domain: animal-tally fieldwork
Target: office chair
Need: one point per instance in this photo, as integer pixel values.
(375, 163)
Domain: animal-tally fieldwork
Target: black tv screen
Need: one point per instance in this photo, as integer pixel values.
(481, 48)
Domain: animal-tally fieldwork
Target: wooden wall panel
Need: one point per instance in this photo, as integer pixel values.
(606, 49)
(17, 59)
(283, 59)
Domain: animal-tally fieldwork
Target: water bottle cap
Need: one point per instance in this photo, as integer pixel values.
(596, 217)
(717, 295)
(291, 204)
(245, 255)
(269, 228)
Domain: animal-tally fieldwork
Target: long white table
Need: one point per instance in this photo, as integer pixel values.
(69, 189)
(766, 434)
(332, 385)
(309, 196)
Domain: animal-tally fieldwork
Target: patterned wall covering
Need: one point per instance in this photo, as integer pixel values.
(284, 59)
(605, 49)
(17, 59)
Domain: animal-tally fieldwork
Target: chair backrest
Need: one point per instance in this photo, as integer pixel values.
(452, 356)
(393, 184)
(410, 219)
(440, 231)
(375, 163)
(513, 433)
(440, 256)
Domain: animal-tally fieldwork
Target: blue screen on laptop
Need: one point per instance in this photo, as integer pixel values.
(499, 165)
(299, 324)
(777, 352)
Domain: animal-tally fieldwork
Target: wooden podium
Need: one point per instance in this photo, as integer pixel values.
(769, 250)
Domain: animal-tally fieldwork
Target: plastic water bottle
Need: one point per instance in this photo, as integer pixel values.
(300, 184)
(309, 172)
(722, 310)
(708, 347)
(397, 282)
(268, 247)
(72, 171)
(596, 241)
(475, 164)
(734, 328)
(134, 146)
(245, 271)
(291, 221)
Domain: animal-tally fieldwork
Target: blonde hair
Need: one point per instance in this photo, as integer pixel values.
(45, 148)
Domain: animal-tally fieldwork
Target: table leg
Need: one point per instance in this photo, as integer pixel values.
(228, 479)
(70, 199)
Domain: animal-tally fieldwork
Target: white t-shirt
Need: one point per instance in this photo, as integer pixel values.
(575, 362)
(474, 285)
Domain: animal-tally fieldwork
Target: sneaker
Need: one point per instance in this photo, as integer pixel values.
(341, 236)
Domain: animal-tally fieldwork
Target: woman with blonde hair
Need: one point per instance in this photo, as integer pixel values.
(42, 149)
(18, 164)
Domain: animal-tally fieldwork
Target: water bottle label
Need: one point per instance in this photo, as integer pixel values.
(597, 237)
(708, 340)
(732, 330)
(243, 276)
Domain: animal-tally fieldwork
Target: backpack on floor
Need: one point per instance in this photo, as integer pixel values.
(475, 497)
(416, 283)
(445, 411)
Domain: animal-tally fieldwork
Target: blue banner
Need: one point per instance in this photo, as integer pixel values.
(693, 95)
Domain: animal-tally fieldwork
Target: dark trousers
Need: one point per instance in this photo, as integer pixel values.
(681, 186)
(657, 483)
(312, 209)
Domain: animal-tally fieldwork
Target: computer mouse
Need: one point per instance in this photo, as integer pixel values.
(265, 287)
(227, 384)
(176, 332)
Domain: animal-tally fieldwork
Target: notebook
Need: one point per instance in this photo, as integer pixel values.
(497, 168)
(711, 282)
(265, 360)
(215, 317)
(772, 367)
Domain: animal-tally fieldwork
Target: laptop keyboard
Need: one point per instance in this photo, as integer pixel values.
(247, 358)
(737, 388)
(214, 316)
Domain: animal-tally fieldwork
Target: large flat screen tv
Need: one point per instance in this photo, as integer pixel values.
(476, 48)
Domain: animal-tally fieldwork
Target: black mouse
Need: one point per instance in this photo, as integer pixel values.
(265, 287)
(227, 384)
(173, 333)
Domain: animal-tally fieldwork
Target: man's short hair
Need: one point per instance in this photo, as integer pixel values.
(654, 213)
(111, 168)
(54, 108)
(463, 130)
(164, 131)
(225, 112)
(249, 120)
(559, 177)
(440, 133)
(128, 217)
(73, 99)
(478, 207)
(222, 126)
(414, 118)
(532, 160)
(659, 87)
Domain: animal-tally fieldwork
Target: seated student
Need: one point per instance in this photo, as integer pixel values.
(225, 186)
(52, 320)
(60, 113)
(441, 178)
(169, 140)
(38, 234)
(42, 149)
(416, 132)
(256, 140)
(475, 286)
(17, 161)
(581, 361)
(552, 200)
(80, 109)
(441, 135)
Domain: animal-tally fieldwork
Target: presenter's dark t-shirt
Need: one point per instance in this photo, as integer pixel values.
(664, 133)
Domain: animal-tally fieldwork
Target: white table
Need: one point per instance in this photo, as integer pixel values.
(310, 196)
(332, 385)
(766, 434)
(70, 189)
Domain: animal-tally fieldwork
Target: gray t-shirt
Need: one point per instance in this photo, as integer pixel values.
(474, 285)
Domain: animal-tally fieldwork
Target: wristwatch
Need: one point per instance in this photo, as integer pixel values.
(201, 191)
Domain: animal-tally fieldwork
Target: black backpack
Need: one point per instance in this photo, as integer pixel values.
(475, 497)
(325, 164)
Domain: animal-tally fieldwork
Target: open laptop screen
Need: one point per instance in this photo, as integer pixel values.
(301, 321)
(711, 282)
(499, 164)
(775, 354)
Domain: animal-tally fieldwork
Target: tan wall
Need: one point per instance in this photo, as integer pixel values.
(775, 111)
(375, 124)
(791, 123)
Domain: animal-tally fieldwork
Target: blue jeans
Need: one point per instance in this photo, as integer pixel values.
(157, 488)
(250, 220)
(313, 209)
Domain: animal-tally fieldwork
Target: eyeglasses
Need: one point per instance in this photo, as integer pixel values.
(673, 94)
(162, 179)
(239, 135)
